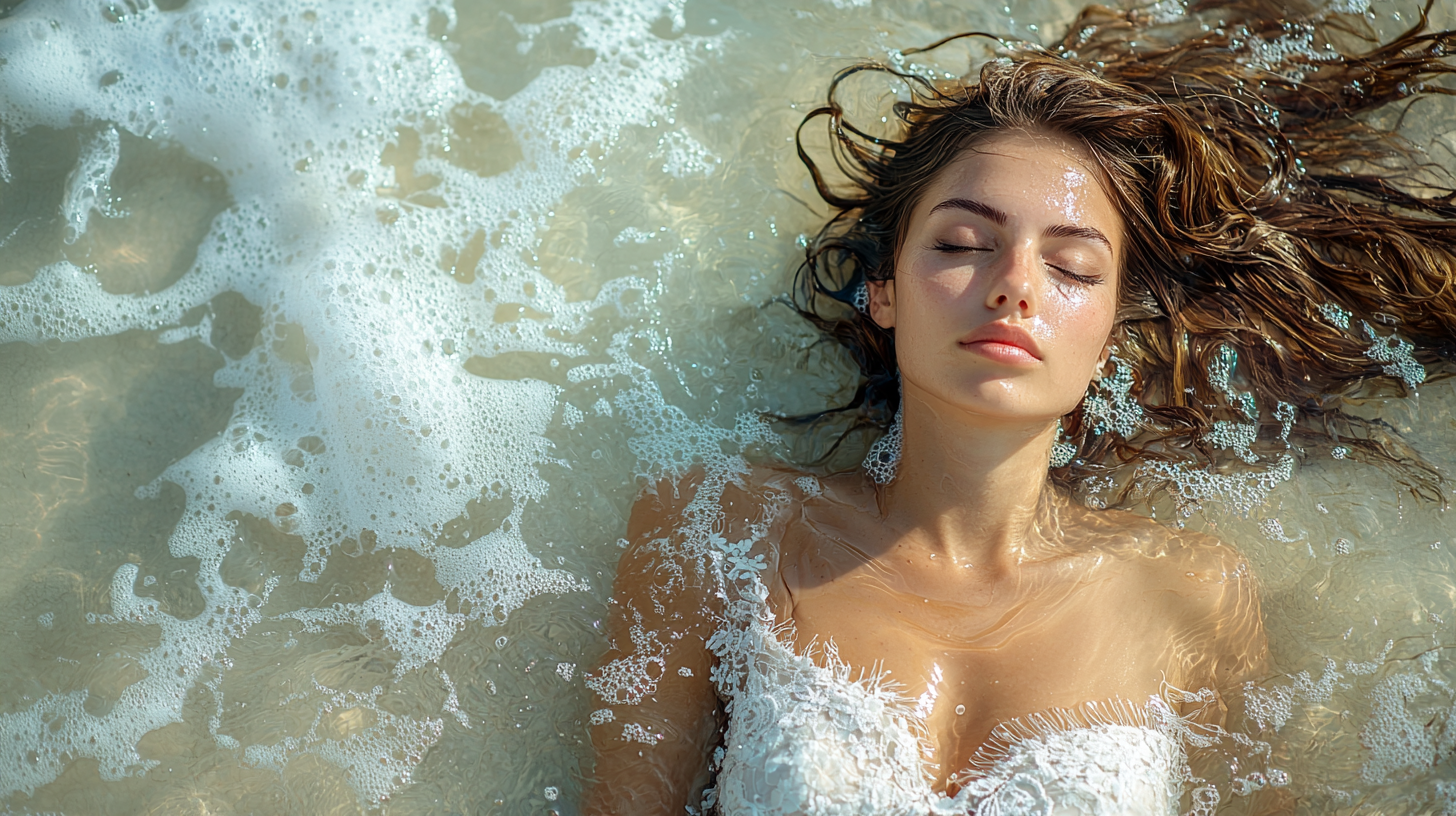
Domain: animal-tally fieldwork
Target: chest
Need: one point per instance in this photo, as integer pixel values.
(1045, 639)
(1062, 638)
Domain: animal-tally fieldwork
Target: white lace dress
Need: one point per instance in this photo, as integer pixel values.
(805, 737)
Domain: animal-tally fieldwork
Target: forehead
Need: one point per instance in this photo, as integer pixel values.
(1030, 157)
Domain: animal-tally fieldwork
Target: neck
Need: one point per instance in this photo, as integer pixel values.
(968, 487)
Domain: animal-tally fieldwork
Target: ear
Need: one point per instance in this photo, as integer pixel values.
(882, 303)
(1100, 369)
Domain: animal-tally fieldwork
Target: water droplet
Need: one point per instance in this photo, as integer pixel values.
(960, 710)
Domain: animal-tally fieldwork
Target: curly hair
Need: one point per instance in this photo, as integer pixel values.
(1279, 238)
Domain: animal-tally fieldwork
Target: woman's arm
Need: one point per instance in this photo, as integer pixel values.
(658, 717)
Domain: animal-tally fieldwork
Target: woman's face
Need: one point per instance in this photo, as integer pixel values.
(1005, 287)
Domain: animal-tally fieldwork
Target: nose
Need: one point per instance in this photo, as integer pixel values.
(1012, 283)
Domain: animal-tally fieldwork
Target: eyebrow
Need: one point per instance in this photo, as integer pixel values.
(986, 211)
(1000, 218)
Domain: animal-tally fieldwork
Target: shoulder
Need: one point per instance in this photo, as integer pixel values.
(1212, 577)
(1201, 579)
(1221, 610)
(683, 531)
(1194, 558)
(1193, 562)
(668, 503)
(700, 510)
(1209, 592)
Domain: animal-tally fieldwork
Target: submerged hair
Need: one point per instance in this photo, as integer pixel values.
(1286, 253)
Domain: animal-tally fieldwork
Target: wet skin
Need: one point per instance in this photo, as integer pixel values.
(1014, 238)
(968, 566)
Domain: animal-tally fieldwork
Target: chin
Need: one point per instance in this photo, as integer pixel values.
(1005, 408)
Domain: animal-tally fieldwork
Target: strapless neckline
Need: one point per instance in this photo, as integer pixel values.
(809, 735)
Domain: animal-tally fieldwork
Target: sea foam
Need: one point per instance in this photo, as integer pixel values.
(375, 426)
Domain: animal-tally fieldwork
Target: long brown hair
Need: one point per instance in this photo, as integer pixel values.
(1285, 251)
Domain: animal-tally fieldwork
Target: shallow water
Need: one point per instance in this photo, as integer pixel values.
(338, 339)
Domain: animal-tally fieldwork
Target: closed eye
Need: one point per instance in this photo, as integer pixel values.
(944, 246)
(1085, 280)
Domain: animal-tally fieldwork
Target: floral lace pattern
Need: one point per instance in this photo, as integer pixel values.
(807, 737)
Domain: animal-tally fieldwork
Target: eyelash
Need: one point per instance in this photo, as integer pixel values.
(1085, 280)
(946, 247)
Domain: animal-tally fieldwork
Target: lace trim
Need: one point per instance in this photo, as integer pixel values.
(1043, 724)
(822, 657)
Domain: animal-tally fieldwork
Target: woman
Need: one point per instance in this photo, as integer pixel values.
(1144, 249)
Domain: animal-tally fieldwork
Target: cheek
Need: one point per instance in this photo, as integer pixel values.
(927, 312)
(932, 297)
(1081, 321)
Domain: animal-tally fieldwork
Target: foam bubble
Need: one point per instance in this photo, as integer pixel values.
(1395, 353)
(1284, 55)
(1370, 666)
(1236, 437)
(377, 758)
(1337, 315)
(1196, 489)
(683, 156)
(1445, 791)
(1112, 407)
(1167, 11)
(626, 680)
(89, 187)
(1348, 6)
(1272, 707)
(636, 732)
(4, 158)
(1409, 729)
(36, 743)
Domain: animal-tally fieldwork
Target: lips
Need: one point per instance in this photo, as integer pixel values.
(1002, 342)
